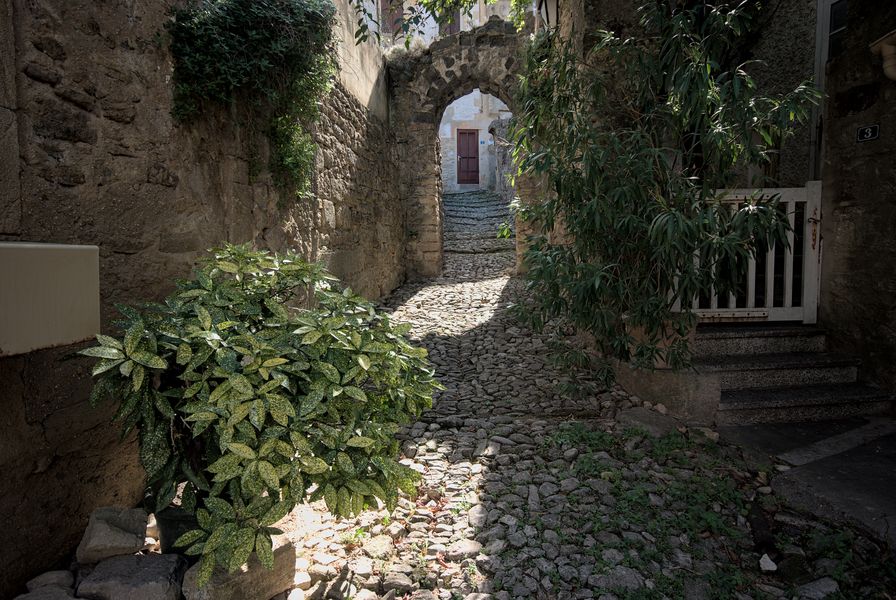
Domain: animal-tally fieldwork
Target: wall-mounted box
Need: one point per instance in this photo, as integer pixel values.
(49, 295)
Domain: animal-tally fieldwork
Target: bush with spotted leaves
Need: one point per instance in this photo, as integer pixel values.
(247, 405)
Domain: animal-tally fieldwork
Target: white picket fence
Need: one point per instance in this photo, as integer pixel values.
(781, 283)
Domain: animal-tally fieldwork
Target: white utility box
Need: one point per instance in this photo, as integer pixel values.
(49, 295)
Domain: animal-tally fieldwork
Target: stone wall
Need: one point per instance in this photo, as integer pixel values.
(858, 269)
(361, 227)
(90, 155)
(786, 54)
(500, 130)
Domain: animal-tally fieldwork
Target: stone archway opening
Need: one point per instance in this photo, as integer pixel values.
(423, 86)
(477, 228)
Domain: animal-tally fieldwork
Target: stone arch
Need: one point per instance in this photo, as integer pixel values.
(422, 85)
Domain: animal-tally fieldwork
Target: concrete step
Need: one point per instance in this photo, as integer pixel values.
(803, 403)
(752, 371)
(715, 340)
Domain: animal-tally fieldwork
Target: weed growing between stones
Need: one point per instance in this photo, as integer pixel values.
(666, 517)
(272, 60)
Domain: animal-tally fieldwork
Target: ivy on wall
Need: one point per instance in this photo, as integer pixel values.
(271, 59)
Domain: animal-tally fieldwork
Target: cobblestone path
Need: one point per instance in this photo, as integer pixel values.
(532, 494)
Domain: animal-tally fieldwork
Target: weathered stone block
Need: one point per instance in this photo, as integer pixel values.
(47, 593)
(43, 73)
(379, 547)
(112, 532)
(650, 421)
(691, 397)
(818, 590)
(251, 581)
(175, 242)
(10, 189)
(49, 46)
(76, 96)
(7, 57)
(59, 121)
(137, 577)
(60, 579)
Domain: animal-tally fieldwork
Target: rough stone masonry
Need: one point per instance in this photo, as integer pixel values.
(91, 155)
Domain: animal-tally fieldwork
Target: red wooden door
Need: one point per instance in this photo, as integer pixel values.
(468, 156)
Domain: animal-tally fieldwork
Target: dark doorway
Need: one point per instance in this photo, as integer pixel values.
(468, 156)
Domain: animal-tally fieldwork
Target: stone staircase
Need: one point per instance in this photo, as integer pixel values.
(780, 373)
(472, 220)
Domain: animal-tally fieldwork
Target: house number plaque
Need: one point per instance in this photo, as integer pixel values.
(866, 133)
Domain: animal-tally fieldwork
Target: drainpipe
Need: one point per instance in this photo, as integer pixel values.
(886, 48)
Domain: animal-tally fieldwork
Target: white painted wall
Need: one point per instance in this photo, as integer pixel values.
(473, 111)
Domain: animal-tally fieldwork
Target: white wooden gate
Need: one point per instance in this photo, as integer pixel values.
(781, 283)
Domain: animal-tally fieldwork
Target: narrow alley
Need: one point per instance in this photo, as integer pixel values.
(530, 493)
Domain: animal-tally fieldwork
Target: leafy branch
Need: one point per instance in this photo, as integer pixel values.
(638, 138)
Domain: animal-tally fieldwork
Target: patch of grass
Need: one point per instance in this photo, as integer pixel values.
(706, 488)
(577, 434)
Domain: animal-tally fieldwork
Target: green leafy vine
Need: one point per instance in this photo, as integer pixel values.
(272, 60)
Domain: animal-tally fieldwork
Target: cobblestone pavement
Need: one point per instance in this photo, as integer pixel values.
(528, 493)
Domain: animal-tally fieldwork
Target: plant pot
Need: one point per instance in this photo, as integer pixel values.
(173, 522)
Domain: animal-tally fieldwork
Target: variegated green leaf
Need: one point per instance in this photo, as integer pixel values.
(268, 474)
(263, 550)
(189, 538)
(314, 465)
(148, 360)
(242, 450)
(184, 354)
(102, 352)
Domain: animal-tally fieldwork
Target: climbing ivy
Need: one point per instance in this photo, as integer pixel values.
(273, 59)
(636, 138)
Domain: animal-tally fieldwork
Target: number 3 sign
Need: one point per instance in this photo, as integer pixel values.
(866, 133)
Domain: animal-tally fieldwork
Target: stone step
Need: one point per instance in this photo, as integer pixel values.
(462, 233)
(487, 234)
(480, 216)
(472, 222)
(803, 403)
(715, 340)
(751, 371)
(476, 205)
(477, 250)
(484, 213)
